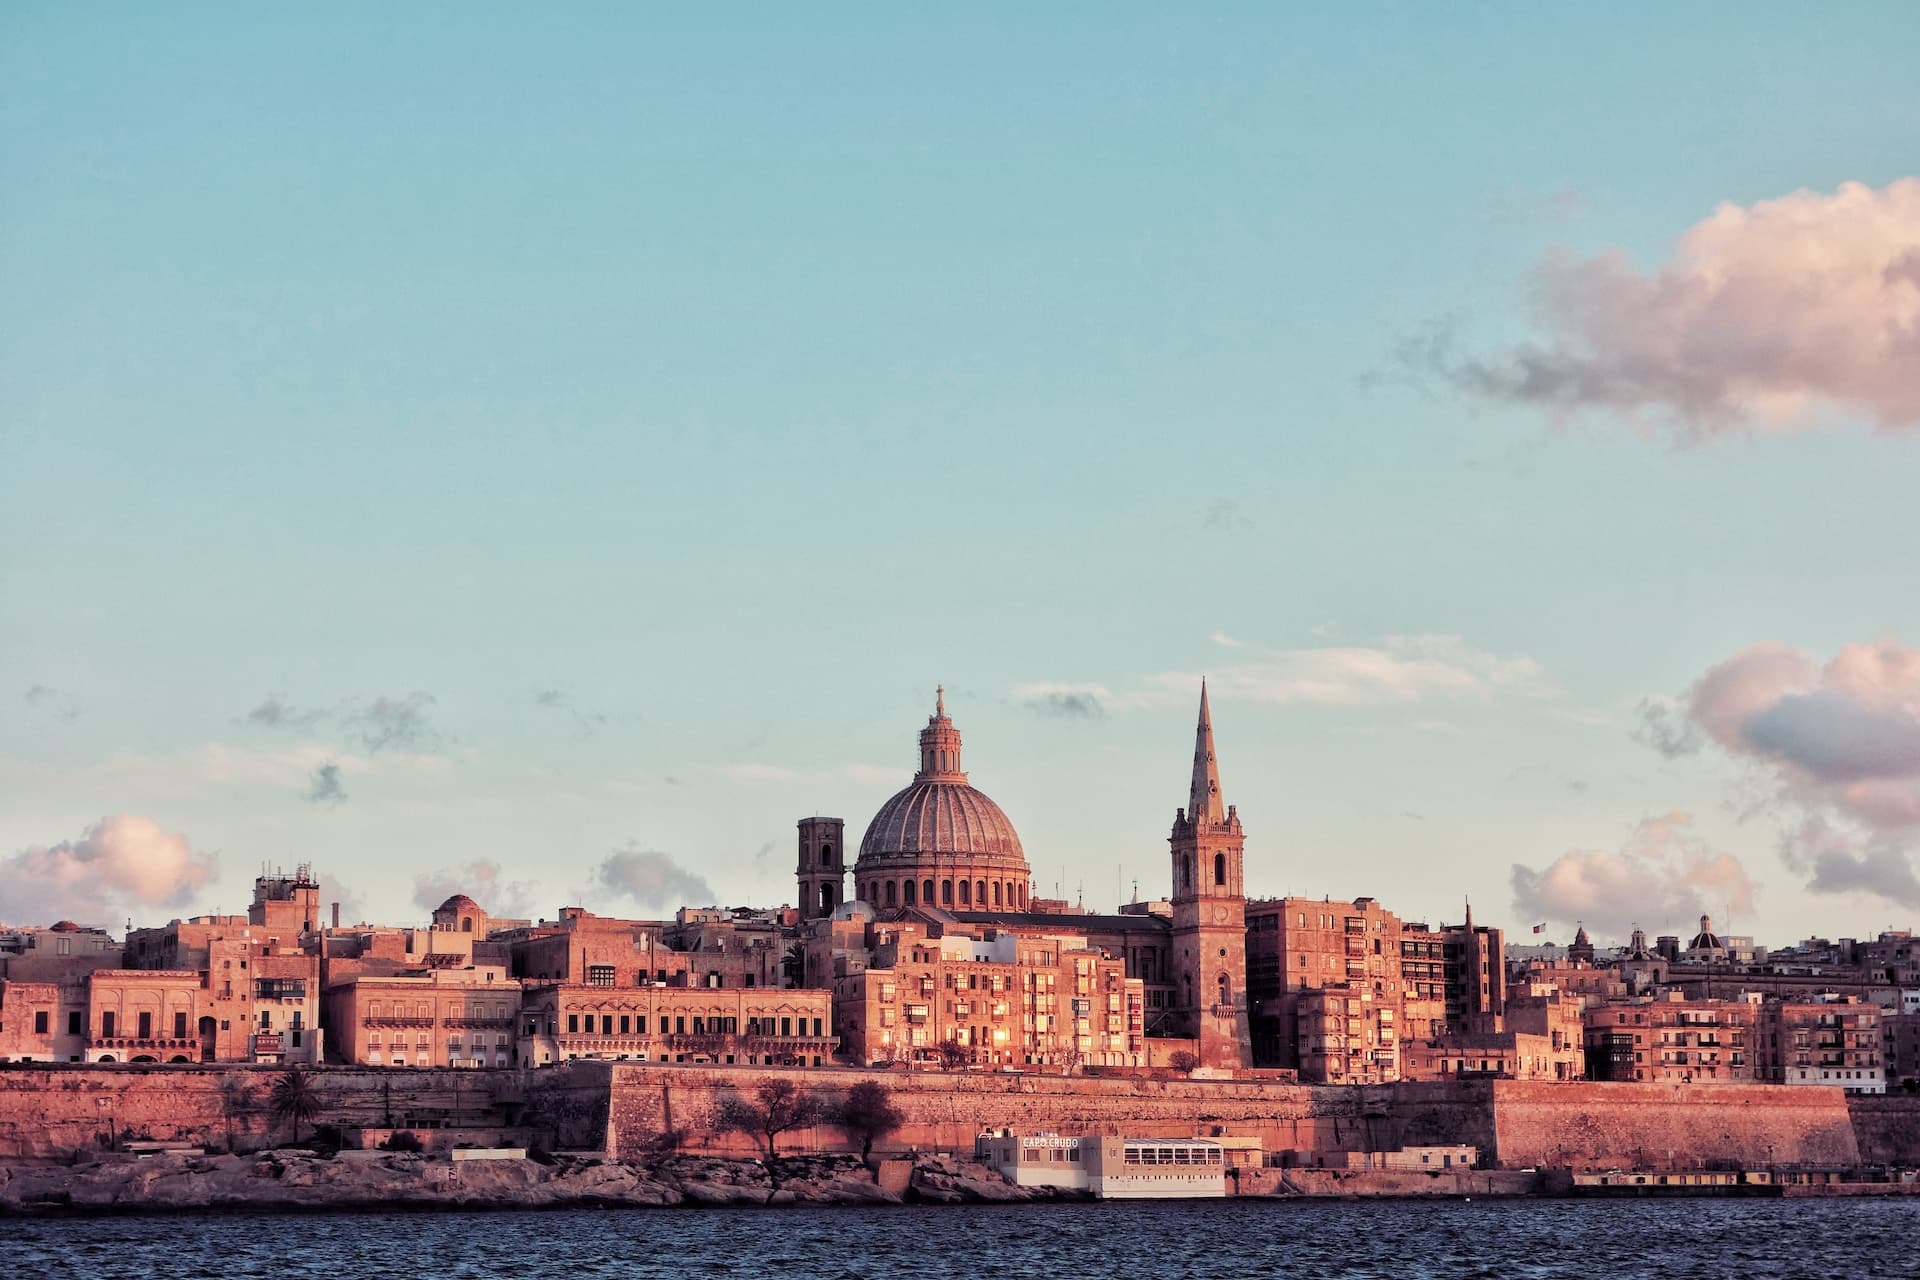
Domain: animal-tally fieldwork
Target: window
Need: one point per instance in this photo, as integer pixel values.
(180, 1025)
(600, 975)
(106, 1025)
(606, 1024)
(573, 1023)
(74, 1022)
(40, 1022)
(624, 1024)
(1220, 868)
(640, 1024)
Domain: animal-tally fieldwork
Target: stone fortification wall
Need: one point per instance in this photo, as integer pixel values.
(1662, 1125)
(51, 1112)
(1888, 1128)
(945, 1111)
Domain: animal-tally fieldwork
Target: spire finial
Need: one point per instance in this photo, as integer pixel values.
(939, 700)
(1203, 799)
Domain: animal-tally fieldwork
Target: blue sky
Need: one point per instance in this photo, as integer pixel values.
(594, 428)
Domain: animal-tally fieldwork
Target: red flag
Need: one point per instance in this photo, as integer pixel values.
(1540, 928)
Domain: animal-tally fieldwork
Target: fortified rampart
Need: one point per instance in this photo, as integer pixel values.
(46, 1113)
(1672, 1125)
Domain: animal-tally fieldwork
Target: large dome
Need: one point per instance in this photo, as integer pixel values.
(940, 817)
(940, 841)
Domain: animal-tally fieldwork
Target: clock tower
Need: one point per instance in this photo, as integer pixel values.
(1209, 943)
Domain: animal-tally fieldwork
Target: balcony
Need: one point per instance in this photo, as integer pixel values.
(148, 1044)
(268, 1042)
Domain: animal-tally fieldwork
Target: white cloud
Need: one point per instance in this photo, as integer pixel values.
(1664, 876)
(1764, 316)
(124, 863)
(1838, 745)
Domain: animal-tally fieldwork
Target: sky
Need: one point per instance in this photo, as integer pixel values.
(545, 451)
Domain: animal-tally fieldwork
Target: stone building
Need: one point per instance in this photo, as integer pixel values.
(1834, 1041)
(1326, 985)
(1015, 999)
(439, 1017)
(259, 977)
(1671, 1039)
(751, 1026)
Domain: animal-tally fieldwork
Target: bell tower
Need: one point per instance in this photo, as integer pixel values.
(822, 866)
(1209, 942)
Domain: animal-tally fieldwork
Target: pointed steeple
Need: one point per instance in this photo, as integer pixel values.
(1204, 806)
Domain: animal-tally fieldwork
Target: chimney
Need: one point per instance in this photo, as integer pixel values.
(336, 915)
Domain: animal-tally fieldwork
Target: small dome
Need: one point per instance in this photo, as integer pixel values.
(64, 926)
(455, 905)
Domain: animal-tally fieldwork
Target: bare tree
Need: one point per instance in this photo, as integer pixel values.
(1183, 1061)
(867, 1112)
(778, 1105)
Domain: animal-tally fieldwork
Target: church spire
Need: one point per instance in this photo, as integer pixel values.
(1204, 806)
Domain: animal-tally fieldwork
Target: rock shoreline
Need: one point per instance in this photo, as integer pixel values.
(300, 1181)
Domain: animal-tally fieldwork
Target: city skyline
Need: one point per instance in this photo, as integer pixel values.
(546, 458)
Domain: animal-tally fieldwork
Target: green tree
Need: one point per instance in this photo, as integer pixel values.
(294, 1100)
(868, 1113)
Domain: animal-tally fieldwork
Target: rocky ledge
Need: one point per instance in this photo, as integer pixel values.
(301, 1180)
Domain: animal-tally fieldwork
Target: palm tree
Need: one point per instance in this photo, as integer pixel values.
(294, 1100)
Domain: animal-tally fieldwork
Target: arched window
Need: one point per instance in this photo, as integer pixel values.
(996, 893)
(826, 897)
(965, 893)
(946, 893)
(466, 924)
(826, 855)
(890, 892)
(906, 892)
(926, 893)
(1219, 868)
(1023, 897)
(980, 892)
(1226, 991)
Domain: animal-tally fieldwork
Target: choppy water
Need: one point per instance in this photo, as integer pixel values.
(1480, 1240)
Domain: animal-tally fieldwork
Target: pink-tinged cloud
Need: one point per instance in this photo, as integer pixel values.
(125, 863)
(1664, 876)
(1765, 317)
(1839, 743)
